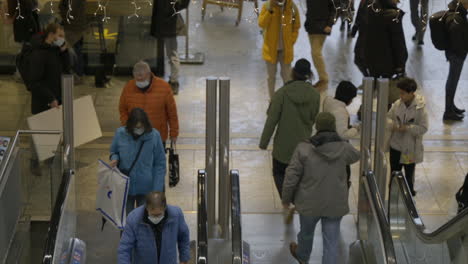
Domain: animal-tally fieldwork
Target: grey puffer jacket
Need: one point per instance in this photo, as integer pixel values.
(316, 180)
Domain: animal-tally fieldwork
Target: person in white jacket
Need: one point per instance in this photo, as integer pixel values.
(408, 123)
(344, 95)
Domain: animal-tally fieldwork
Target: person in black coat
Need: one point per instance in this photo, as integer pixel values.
(164, 25)
(49, 60)
(320, 18)
(25, 20)
(381, 48)
(457, 26)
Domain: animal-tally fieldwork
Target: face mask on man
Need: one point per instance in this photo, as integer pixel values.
(139, 131)
(59, 42)
(142, 84)
(156, 219)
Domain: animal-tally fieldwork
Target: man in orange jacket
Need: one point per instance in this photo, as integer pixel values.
(154, 95)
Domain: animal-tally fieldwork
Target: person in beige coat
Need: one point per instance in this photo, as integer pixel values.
(407, 124)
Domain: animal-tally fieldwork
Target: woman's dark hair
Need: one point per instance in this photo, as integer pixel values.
(52, 29)
(345, 92)
(138, 115)
(407, 84)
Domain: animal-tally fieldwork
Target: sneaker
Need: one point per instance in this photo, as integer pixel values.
(293, 249)
(452, 116)
(175, 87)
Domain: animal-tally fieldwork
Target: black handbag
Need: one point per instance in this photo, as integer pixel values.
(173, 166)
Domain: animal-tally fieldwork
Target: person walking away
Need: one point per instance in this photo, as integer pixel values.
(345, 93)
(320, 18)
(155, 97)
(380, 49)
(138, 152)
(316, 184)
(419, 18)
(280, 22)
(155, 233)
(164, 26)
(457, 28)
(408, 123)
(291, 114)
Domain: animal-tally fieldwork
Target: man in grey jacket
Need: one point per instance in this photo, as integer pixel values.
(316, 182)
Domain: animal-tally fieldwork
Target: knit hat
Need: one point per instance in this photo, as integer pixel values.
(302, 67)
(325, 121)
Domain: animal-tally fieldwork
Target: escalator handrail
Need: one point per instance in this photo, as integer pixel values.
(56, 216)
(202, 220)
(236, 224)
(378, 209)
(448, 230)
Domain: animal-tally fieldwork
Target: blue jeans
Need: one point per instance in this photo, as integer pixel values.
(139, 199)
(330, 233)
(456, 67)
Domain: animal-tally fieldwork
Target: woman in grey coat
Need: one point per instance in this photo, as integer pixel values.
(316, 183)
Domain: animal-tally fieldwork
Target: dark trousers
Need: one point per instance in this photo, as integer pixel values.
(395, 165)
(456, 67)
(279, 171)
(418, 15)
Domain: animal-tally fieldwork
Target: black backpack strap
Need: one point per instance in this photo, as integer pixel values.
(136, 158)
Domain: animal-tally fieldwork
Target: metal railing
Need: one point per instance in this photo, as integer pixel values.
(378, 212)
(453, 228)
(236, 221)
(15, 142)
(202, 221)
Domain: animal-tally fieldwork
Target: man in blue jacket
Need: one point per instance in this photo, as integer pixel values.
(153, 233)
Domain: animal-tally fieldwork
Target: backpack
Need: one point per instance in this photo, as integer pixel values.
(23, 63)
(439, 32)
(462, 196)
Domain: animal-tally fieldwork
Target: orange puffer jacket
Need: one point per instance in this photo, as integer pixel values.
(158, 102)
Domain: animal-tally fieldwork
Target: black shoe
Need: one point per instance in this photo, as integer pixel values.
(413, 193)
(421, 42)
(458, 110)
(452, 116)
(414, 37)
(175, 87)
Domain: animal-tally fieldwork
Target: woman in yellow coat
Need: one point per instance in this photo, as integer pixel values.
(280, 22)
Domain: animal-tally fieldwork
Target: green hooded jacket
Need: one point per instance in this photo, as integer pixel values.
(293, 109)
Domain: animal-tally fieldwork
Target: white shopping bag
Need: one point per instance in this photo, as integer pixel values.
(112, 193)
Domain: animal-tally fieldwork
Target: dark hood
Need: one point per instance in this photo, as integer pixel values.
(328, 145)
(297, 92)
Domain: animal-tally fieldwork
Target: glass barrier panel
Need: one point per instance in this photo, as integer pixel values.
(408, 246)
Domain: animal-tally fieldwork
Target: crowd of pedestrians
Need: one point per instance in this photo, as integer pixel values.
(311, 150)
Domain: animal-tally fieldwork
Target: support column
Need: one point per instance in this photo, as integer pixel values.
(210, 159)
(224, 135)
(67, 113)
(380, 160)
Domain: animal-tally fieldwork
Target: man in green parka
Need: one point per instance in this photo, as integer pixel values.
(292, 113)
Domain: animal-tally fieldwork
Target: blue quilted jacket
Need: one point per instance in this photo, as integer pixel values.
(138, 239)
(150, 169)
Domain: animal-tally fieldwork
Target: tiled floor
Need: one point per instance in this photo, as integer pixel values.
(236, 52)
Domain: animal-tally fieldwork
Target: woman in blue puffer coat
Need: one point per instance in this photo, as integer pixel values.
(138, 152)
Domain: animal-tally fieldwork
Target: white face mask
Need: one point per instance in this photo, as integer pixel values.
(59, 42)
(156, 219)
(143, 84)
(139, 131)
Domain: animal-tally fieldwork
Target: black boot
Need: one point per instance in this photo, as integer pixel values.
(458, 110)
(452, 116)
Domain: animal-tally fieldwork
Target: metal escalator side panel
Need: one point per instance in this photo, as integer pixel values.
(236, 224)
(202, 221)
(375, 227)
